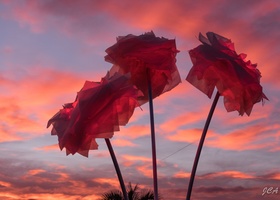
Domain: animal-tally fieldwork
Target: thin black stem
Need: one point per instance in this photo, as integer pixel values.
(153, 138)
(114, 159)
(198, 152)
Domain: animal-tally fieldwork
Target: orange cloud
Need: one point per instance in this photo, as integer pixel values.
(182, 120)
(5, 184)
(187, 19)
(183, 20)
(160, 15)
(26, 109)
(129, 160)
(50, 86)
(136, 158)
(141, 163)
(123, 143)
(240, 140)
(35, 171)
(49, 148)
(259, 113)
(28, 16)
(182, 174)
(276, 176)
(146, 170)
(133, 132)
(7, 134)
(112, 181)
(101, 154)
(248, 138)
(232, 174)
(191, 135)
(9, 195)
(15, 119)
(51, 196)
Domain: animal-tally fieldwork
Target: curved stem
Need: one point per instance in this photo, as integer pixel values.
(198, 152)
(153, 138)
(114, 159)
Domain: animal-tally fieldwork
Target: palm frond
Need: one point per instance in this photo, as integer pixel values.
(112, 195)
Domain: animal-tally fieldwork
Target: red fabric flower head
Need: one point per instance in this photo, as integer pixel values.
(100, 108)
(215, 63)
(135, 54)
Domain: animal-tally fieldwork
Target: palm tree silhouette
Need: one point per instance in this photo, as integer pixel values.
(134, 193)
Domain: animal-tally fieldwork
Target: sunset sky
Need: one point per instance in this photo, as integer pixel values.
(49, 48)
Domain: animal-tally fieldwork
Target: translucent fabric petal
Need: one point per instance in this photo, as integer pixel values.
(216, 64)
(137, 54)
(100, 108)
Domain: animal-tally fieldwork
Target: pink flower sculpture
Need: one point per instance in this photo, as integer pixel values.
(137, 54)
(99, 109)
(216, 64)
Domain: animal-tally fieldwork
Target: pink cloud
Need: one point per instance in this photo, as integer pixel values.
(183, 20)
(259, 113)
(35, 171)
(46, 196)
(6, 50)
(63, 182)
(276, 176)
(184, 119)
(27, 108)
(101, 154)
(136, 158)
(49, 147)
(187, 19)
(5, 184)
(111, 181)
(248, 138)
(142, 164)
(232, 174)
(190, 135)
(182, 174)
(245, 139)
(133, 132)
(7, 134)
(60, 181)
(146, 170)
(29, 16)
(123, 143)
(77, 19)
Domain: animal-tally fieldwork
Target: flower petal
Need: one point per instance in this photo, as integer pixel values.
(216, 64)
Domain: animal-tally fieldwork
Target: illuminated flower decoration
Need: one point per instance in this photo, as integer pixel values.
(137, 54)
(151, 61)
(216, 64)
(99, 109)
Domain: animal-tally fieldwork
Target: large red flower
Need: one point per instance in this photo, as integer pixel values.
(216, 64)
(137, 54)
(99, 109)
